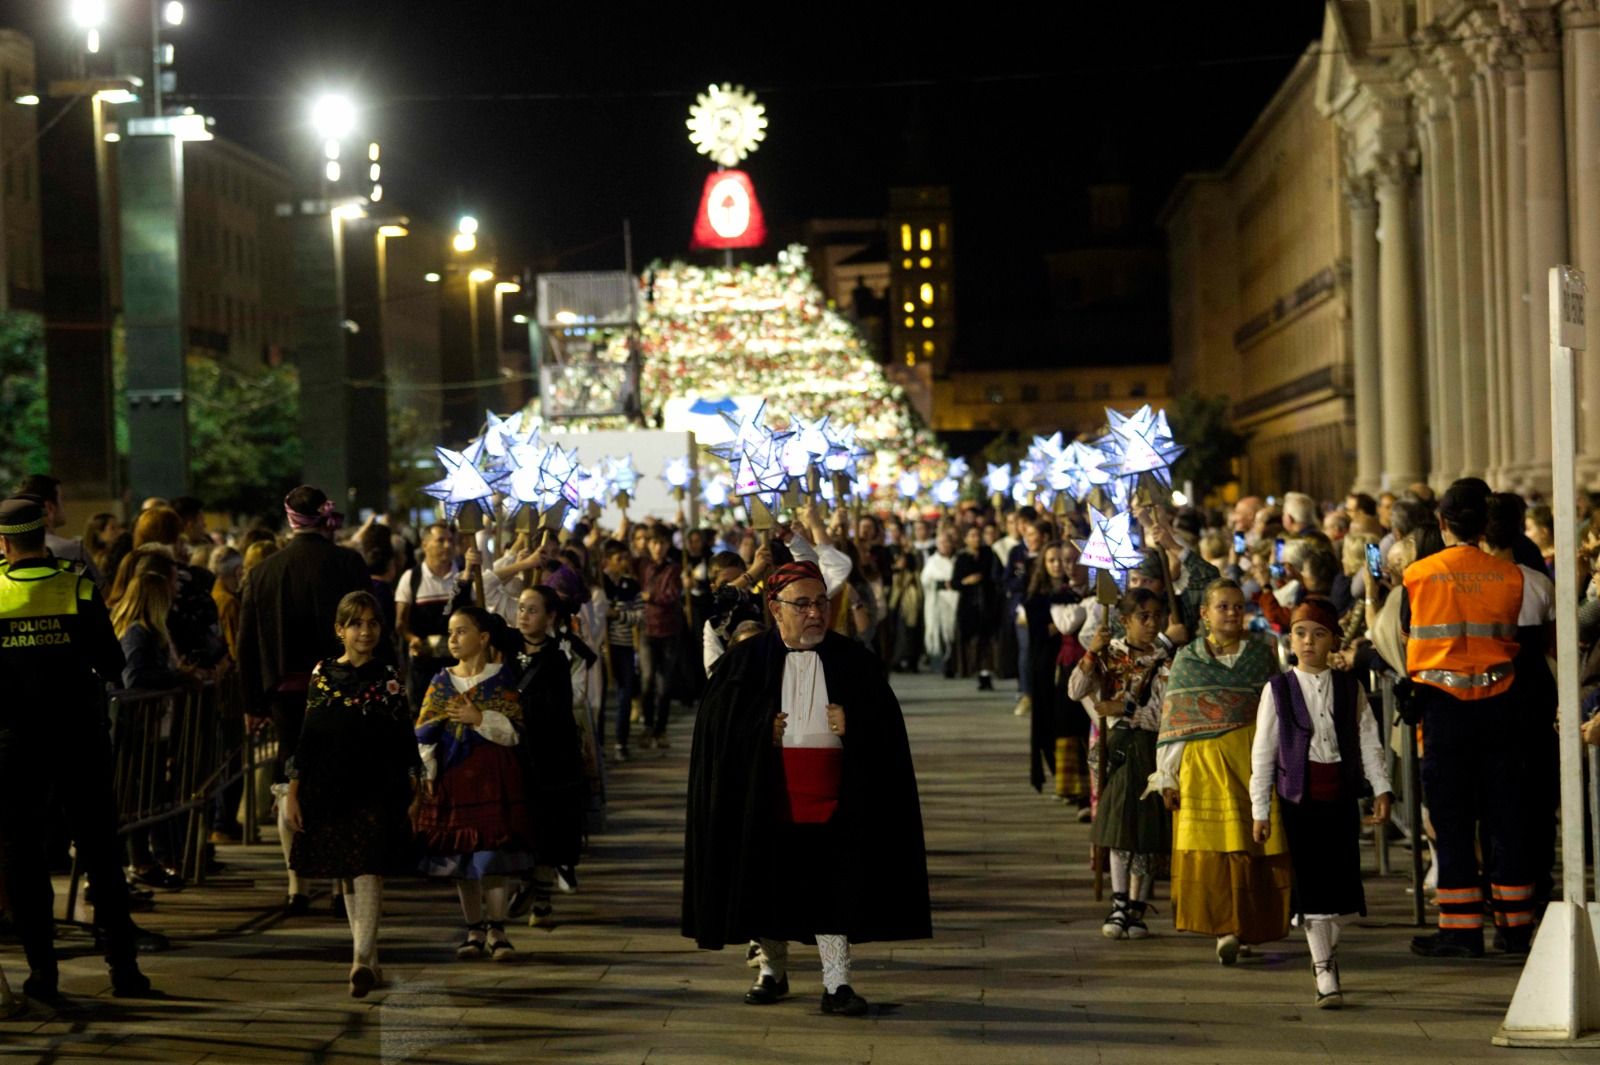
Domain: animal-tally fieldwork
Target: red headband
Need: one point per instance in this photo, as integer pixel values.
(325, 517)
(1318, 611)
(789, 573)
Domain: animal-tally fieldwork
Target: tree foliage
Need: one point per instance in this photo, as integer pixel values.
(24, 425)
(244, 436)
(1201, 424)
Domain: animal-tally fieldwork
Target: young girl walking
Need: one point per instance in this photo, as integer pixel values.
(1316, 743)
(474, 822)
(353, 781)
(1122, 681)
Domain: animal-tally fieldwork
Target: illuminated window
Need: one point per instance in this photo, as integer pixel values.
(927, 349)
(927, 323)
(924, 240)
(910, 322)
(944, 235)
(910, 306)
(905, 237)
(911, 357)
(925, 262)
(906, 264)
(926, 293)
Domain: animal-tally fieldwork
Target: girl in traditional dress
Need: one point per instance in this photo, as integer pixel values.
(555, 730)
(1055, 720)
(1316, 744)
(1224, 883)
(1122, 681)
(474, 821)
(353, 780)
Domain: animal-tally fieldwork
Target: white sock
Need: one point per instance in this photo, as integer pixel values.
(1319, 937)
(496, 896)
(363, 907)
(774, 958)
(1119, 872)
(285, 841)
(835, 952)
(471, 895)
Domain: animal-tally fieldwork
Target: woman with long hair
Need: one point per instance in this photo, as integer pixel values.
(1054, 717)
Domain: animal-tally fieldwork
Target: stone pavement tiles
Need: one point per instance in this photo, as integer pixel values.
(1017, 972)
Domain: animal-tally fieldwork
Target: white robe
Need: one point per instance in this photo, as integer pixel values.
(939, 605)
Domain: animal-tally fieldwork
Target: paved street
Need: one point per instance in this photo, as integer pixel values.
(1017, 972)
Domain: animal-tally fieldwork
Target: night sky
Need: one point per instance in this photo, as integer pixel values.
(552, 123)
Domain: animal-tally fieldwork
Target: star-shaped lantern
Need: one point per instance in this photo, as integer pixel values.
(958, 469)
(812, 435)
(1111, 546)
(677, 474)
(909, 485)
(462, 482)
(946, 492)
(997, 482)
(1143, 444)
(714, 493)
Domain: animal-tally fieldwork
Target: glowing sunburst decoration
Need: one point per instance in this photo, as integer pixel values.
(1111, 547)
(727, 124)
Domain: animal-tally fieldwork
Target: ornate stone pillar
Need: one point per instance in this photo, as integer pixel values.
(1518, 359)
(1485, 44)
(1397, 311)
(1448, 427)
(1365, 336)
(1582, 24)
(1546, 209)
(1470, 371)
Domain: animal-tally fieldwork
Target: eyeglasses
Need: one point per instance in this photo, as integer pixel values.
(805, 606)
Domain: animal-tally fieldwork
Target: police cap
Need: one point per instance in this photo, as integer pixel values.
(20, 515)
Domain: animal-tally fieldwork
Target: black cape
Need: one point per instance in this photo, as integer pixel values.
(552, 756)
(730, 891)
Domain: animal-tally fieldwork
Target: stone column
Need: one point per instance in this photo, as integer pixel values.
(1547, 213)
(1401, 369)
(1440, 236)
(1365, 337)
(1485, 44)
(1583, 108)
(1517, 330)
(1470, 369)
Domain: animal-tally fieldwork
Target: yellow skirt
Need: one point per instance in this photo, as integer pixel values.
(1223, 882)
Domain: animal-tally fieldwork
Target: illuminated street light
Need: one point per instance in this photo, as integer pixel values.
(372, 152)
(520, 319)
(173, 13)
(376, 194)
(116, 96)
(507, 286)
(393, 231)
(331, 149)
(29, 99)
(464, 242)
(349, 211)
(333, 116)
(431, 277)
(467, 225)
(566, 317)
(91, 43)
(478, 275)
(88, 14)
(112, 138)
(332, 170)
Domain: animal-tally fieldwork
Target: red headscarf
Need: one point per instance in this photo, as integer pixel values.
(1318, 611)
(789, 573)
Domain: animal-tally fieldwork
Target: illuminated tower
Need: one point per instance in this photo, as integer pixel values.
(922, 309)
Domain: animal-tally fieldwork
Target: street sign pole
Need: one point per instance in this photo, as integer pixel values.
(1557, 1001)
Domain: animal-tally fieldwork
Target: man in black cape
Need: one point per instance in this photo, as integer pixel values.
(803, 821)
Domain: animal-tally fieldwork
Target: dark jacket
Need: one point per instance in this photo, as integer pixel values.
(552, 754)
(730, 891)
(663, 614)
(286, 618)
(149, 660)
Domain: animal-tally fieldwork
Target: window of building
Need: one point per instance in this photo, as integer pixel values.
(911, 323)
(1030, 393)
(1102, 389)
(1138, 389)
(994, 395)
(926, 292)
(1066, 390)
(928, 348)
(905, 238)
(927, 322)
(911, 357)
(925, 240)
(944, 235)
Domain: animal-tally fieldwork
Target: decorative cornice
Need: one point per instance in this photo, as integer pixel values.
(1394, 168)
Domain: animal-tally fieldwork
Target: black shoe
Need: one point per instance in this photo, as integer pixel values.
(766, 990)
(129, 983)
(158, 877)
(844, 1002)
(1449, 943)
(339, 910)
(521, 900)
(985, 682)
(45, 991)
(297, 905)
(1513, 940)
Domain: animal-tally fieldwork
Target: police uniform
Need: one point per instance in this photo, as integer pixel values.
(57, 653)
(1461, 613)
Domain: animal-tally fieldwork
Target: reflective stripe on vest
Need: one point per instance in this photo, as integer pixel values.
(1464, 610)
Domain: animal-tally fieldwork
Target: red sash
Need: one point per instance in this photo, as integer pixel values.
(811, 776)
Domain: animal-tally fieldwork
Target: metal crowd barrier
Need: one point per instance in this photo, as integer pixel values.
(173, 752)
(1406, 813)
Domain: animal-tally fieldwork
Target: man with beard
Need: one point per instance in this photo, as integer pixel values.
(803, 820)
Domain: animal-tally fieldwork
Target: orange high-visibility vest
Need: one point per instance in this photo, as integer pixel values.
(1464, 609)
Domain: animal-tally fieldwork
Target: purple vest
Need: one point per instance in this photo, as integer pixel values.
(1295, 731)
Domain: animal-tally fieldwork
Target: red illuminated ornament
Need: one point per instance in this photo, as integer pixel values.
(730, 215)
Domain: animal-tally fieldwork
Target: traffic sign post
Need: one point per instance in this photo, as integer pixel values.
(1557, 1001)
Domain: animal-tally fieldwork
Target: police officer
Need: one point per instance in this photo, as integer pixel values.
(1460, 615)
(57, 653)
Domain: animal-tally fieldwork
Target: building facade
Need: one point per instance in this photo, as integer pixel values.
(1260, 293)
(1456, 150)
(921, 295)
(1069, 400)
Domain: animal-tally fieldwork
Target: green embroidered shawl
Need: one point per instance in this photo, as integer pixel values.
(1206, 698)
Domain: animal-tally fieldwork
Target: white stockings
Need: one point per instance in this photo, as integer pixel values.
(833, 950)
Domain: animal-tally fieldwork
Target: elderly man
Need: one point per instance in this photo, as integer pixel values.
(1244, 514)
(803, 819)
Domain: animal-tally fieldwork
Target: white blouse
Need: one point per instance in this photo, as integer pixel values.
(1318, 690)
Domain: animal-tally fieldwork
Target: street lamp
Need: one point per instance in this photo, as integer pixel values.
(466, 238)
(333, 116)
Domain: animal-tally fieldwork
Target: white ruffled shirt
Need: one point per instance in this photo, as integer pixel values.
(1318, 690)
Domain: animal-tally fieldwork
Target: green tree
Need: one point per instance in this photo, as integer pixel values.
(24, 424)
(411, 461)
(1201, 424)
(244, 436)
